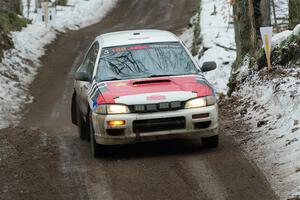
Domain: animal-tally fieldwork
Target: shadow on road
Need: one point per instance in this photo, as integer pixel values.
(173, 147)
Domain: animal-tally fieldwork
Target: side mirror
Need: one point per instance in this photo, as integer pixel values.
(82, 76)
(209, 66)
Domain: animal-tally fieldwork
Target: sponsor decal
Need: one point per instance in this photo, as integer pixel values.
(138, 47)
(132, 48)
(155, 98)
(95, 105)
(95, 90)
(121, 49)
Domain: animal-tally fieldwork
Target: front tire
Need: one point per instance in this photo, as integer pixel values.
(83, 127)
(98, 150)
(211, 142)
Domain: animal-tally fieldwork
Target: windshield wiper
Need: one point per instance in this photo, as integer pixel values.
(162, 75)
(113, 79)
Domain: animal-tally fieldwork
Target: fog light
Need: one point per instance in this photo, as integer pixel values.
(115, 123)
(199, 116)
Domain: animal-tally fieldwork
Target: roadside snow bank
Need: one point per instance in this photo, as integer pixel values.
(270, 105)
(20, 64)
(218, 41)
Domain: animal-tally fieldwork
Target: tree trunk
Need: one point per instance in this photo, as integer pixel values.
(249, 16)
(294, 13)
(265, 7)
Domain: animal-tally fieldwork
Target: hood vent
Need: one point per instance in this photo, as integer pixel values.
(151, 82)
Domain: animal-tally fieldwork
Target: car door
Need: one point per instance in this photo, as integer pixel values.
(82, 87)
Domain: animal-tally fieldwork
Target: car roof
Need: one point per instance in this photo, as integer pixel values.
(135, 37)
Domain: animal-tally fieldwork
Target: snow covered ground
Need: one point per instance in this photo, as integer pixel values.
(270, 104)
(20, 65)
(215, 32)
(282, 13)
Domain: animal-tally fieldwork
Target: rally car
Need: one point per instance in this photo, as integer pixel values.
(142, 85)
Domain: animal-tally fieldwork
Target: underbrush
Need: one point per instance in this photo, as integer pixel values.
(285, 54)
(9, 21)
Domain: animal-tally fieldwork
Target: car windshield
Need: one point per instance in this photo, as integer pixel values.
(144, 60)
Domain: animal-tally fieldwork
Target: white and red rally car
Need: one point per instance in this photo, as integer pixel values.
(140, 86)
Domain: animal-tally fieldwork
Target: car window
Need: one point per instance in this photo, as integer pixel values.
(90, 59)
(144, 60)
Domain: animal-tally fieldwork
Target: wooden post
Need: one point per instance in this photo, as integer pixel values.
(45, 5)
(275, 16)
(28, 8)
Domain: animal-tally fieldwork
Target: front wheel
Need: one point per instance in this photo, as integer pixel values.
(211, 142)
(98, 150)
(83, 127)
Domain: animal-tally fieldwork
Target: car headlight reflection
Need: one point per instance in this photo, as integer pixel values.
(112, 109)
(201, 102)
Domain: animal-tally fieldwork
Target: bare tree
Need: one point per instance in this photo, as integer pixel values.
(294, 13)
(274, 15)
(28, 5)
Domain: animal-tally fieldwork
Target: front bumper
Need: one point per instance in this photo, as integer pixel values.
(129, 134)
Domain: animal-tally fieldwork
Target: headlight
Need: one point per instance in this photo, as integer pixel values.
(196, 103)
(117, 109)
(201, 102)
(112, 109)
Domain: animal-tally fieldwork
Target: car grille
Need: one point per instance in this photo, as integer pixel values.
(159, 107)
(154, 125)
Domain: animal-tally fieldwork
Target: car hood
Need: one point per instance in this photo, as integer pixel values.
(150, 90)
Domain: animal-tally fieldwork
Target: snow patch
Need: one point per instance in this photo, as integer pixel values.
(218, 41)
(216, 32)
(296, 30)
(282, 13)
(278, 38)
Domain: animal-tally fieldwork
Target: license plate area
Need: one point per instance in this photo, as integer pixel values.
(161, 124)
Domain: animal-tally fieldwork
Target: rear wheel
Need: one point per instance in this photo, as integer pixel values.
(211, 142)
(98, 150)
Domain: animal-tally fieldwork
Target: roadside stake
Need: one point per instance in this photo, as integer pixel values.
(266, 35)
(45, 5)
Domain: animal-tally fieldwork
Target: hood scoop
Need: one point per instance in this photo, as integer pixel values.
(155, 81)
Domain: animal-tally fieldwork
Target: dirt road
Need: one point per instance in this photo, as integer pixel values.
(46, 160)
